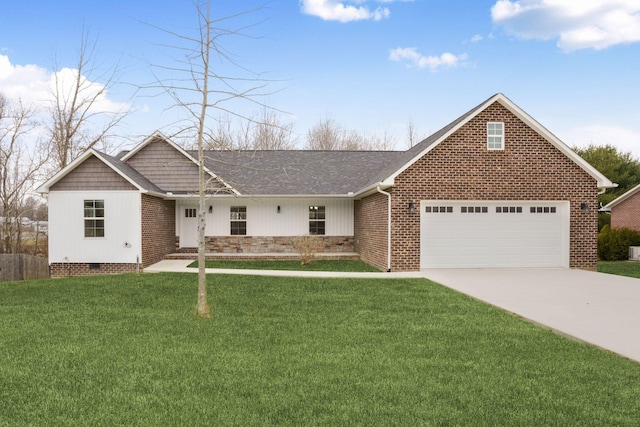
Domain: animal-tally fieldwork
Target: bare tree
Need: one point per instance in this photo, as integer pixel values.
(202, 89)
(79, 118)
(265, 132)
(269, 133)
(328, 134)
(413, 137)
(21, 158)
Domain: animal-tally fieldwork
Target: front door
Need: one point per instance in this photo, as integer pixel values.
(189, 227)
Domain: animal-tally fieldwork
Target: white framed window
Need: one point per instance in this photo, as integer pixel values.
(317, 217)
(495, 136)
(94, 218)
(238, 220)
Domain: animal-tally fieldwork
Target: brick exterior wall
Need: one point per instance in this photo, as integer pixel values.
(626, 214)
(269, 244)
(64, 269)
(158, 228)
(371, 230)
(461, 168)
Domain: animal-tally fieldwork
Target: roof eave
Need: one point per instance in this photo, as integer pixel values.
(621, 198)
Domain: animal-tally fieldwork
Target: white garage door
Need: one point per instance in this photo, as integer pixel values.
(481, 234)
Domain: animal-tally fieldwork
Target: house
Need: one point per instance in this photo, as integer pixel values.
(624, 210)
(493, 188)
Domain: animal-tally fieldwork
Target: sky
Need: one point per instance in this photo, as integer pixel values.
(371, 66)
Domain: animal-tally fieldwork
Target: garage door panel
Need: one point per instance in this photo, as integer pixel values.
(494, 234)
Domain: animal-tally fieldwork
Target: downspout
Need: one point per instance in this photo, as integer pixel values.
(388, 227)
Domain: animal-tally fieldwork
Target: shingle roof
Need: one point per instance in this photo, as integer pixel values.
(297, 172)
(302, 172)
(406, 156)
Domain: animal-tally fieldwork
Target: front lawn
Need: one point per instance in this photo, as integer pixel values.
(316, 265)
(127, 350)
(621, 268)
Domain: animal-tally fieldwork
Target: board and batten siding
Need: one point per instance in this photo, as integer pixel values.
(92, 174)
(263, 218)
(122, 241)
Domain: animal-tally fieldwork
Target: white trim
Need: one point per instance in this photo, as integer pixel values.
(621, 198)
(45, 188)
(160, 135)
(603, 182)
(495, 135)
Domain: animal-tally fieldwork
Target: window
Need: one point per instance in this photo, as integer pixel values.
(316, 220)
(436, 209)
(474, 209)
(238, 220)
(190, 212)
(509, 209)
(495, 136)
(542, 209)
(94, 218)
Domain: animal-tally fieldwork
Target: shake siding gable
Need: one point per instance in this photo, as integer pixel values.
(92, 174)
(166, 167)
(461, 168)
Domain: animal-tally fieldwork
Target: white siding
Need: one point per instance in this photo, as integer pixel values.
(122, 224)
(263, 218)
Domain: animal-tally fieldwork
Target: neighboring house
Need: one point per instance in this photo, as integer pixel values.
(625, 210)
(493, 188)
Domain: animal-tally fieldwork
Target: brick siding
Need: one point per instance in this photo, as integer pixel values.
(371, 230)
(461, 168)
(64, 269)
(626, 213)
(158, 228)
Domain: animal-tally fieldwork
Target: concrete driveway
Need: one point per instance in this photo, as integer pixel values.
(601, 309)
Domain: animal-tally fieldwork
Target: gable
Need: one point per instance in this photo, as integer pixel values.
(527, 166)
(387, 176)
(165, 166)
(92, 174)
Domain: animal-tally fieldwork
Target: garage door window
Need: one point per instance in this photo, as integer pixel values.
(508, 209)
(438, 209)
(543, 209)
(474, 209)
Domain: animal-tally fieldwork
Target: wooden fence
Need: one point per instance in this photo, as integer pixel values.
(22, 267)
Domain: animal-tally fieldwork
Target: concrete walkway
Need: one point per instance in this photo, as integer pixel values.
(600, 309)
(180, 266)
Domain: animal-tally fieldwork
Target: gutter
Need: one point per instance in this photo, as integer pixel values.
(388, 226)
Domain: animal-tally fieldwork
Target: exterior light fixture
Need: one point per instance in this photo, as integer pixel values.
(584, 207)
(278, 209)
(412, 208)
(210, 209)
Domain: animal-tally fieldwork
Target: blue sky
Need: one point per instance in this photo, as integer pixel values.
(372, 66)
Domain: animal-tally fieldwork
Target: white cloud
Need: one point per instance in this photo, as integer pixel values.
(34, 85)
(333, 10)
(412, 57)
(578, 24)
(476, 38)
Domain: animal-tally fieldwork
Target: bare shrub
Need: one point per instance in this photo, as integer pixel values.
(306, 246)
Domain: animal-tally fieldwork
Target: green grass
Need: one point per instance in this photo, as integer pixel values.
(317, 265)
(127, 350)
(621, 268)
